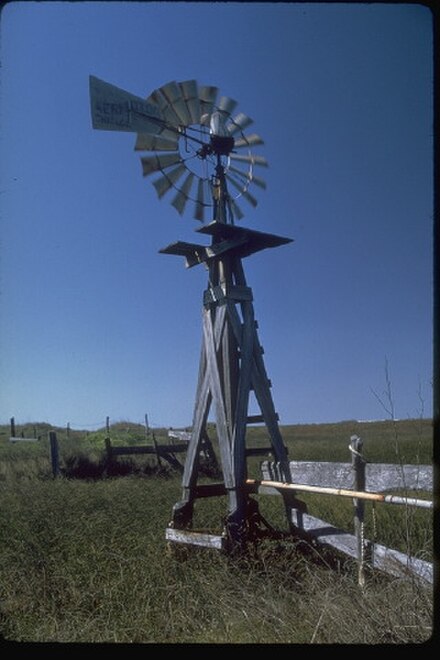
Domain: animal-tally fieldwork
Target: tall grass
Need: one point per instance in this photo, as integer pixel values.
(85, 559)
(87, 562)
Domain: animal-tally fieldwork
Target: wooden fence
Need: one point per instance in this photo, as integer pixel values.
(362, 482)
(53, 445)
(166, 452)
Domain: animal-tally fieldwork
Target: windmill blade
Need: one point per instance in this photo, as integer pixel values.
(190, 95)
(261, 183)
(251, 158)
(166, 108)
(173, 94)
(244, 193)
(248, 141)
(114, 109)
(168, 179)
(250, 176)
(240, 122)
(182, 196)
(207, 97)
(236, 210)
(226, 105)
(159, 162)
(147, 142)
(199, 212)
(205, 119)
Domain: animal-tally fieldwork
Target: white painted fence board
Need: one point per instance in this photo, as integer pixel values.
(189, 537)
(185, 436)
(384, 559)
(379, 477)
(13, 439)
(383, 476)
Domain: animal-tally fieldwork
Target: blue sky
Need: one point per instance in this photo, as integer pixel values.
(95, 322)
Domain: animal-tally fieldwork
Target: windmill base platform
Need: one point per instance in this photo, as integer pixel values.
(197, 538)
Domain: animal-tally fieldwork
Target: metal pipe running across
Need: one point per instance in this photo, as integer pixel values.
(343, 492)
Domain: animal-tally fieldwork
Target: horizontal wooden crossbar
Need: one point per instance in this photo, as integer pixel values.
(172, 449)
(259, 451)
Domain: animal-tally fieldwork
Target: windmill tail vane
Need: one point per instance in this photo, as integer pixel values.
(197, 144)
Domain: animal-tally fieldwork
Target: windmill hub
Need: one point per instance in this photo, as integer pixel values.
(219, 145)
(222, 145)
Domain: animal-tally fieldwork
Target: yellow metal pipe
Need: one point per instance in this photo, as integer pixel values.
(317, 489)
(343, 492)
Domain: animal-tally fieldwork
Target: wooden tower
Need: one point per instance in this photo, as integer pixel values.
(231, 366)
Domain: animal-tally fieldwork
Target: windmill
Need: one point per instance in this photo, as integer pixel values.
(201, 157)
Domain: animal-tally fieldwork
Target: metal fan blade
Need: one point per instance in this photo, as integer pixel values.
(226, 105)
(114, 109)
(254, 160)
(159, 162)
(173, 94)
(165, 107)
(261, 183)
(238, 123)
(168, 179)
(236, 210)
(248, 141)
(182, 111)
(199, 212)
(171, 91)
(250, 198)
(181, 198)
(207, 96)
(146, 142)
(190, 95)
(249, 176)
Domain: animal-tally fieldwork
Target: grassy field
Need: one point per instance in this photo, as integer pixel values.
(83, 557)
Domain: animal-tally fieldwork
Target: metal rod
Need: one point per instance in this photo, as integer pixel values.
(343, 492)
(410, 501)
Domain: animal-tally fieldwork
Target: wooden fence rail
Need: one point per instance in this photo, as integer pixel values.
(361, 481)
(166, 452)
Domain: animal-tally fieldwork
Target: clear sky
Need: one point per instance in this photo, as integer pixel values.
(95, 322)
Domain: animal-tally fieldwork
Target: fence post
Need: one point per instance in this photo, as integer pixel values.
(358, 464)
(54, 457)
(157, 451)
(108, 448)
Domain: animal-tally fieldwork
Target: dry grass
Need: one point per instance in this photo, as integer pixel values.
(85, 560)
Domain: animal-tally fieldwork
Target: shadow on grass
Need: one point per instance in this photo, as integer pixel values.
(81, 466)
